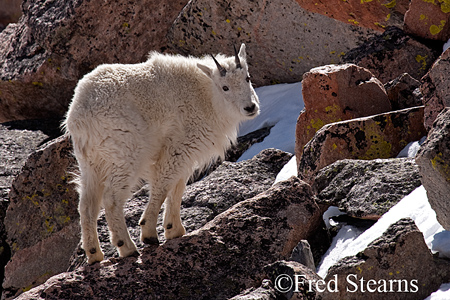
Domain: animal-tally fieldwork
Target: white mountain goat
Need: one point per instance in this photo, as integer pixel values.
(159, 121)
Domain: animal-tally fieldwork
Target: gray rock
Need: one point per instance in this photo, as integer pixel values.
(234, 182)
(436, 89)
(283, 39)
(217, 261)
(265, 292)
(302, 254)
(366, 188)
(399, 263)
(433, 159)
(403, 92)
(391, 54)
(287, 270)
(42, 218)
(17, 141)
(229, 184)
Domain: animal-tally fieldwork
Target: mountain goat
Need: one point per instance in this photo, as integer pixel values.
(158, 120)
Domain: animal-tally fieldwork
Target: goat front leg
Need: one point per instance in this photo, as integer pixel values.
(173, 226)
(149, 218)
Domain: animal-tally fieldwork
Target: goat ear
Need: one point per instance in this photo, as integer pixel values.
(207, 70)
(242, 52)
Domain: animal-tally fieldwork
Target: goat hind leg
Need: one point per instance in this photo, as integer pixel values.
(114, 201)
(89, 209)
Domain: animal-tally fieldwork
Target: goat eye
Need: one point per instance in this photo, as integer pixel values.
(247, 79)
(225, 88)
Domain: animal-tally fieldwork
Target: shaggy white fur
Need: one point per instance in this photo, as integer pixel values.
(158, 120)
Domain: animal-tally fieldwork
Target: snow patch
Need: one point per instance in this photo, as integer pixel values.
(280, 106)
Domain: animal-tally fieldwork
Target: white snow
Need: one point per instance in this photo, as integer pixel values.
(446, 46)
(280, 107)
(289, 170)
(414, 206)
(412, 148)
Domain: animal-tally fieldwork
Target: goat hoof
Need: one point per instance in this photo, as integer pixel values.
(151, 241)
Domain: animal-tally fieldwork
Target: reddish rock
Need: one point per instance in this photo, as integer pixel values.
(391, 54)
(44, 55)
(334, 93)
(218, 261)
(376, 15)
(379, 136)
(433, 159)
(436, 89)
(42, 217)
(398, 265)
(428, 19)
(283, 39)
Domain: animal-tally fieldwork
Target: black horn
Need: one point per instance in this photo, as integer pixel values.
(222, 70)
(236, 57)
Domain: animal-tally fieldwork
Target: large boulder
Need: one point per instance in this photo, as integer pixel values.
(392, 53)
(366, 188)
(55, 43)
(372, 14)
(379, 136)
(332, 93)
(219, 260)
(16, 143)
(232, 182)
(229, 184)
(436, 89)
(428, 19)
(434, 165)
(284, 40)
(398, 265)
(42, 221)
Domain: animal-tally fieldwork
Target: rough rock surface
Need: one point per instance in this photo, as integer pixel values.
(428, 19)
(403, 92)
(56, 43)
(42, 217)
(399, 257)
(219, 260)
(16, 143)
(392, 53)
(265, 292)
(10, 12)
(274, 53)
(302, 254)
(366, 188)
(332, 93)
(229, 184)
(291, 269)
(433, 159)
(436, 89)
(376, 15)
(379, 136)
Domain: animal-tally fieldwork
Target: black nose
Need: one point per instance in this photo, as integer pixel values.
(250, 108)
